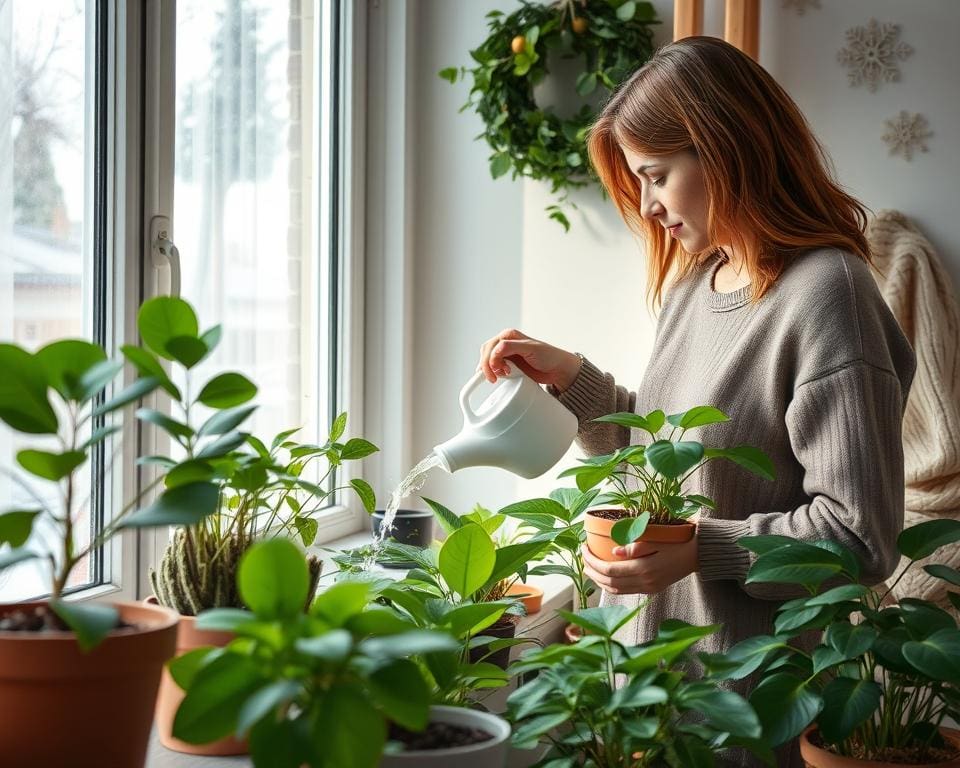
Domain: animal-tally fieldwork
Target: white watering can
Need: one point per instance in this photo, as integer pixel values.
(518, 427)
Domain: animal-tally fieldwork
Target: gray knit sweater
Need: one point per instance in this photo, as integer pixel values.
(816, 374)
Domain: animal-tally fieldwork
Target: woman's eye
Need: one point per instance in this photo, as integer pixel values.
(659, 182)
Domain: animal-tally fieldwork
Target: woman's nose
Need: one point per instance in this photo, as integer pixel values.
(650, 207)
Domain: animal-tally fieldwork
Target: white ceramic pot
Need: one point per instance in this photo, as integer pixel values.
(487, 754)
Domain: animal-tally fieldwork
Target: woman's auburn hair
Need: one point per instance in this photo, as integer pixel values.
(768, 186)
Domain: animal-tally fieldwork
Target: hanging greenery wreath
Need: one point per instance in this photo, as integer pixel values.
(614, 37)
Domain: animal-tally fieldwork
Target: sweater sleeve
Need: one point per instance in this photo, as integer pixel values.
(845, 430)
(594, 394)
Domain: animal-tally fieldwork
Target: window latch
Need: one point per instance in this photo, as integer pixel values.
(163, 251)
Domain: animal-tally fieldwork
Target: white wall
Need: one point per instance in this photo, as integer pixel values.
(486, 256)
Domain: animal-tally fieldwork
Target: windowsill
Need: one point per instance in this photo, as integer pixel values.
(545, 626)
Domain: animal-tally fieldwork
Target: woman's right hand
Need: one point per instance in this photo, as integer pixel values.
(542, 362)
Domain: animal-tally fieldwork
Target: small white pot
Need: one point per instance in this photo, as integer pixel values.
(491, 753)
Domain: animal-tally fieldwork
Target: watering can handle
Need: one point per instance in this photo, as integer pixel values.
(469, 414)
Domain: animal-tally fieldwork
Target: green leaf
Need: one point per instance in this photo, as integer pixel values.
(467, 559)
(603, 621)
(183, 669)
(798, 563)
(851, 641)
(414, 643)
(224, 421)
(767, 543)
(937, 657)
(273, 579)
(847, 702)
(511, 558)
(700, 416)
(673, 459)
(96, 378)
(225, 619)
(449, 74)
(521, 510)
(187, 350)
(222, 445)
(341, 602)
(365, 493)
(138, 389)
(23, 392)
(184, 505)
(265, 702)
(561, 219)
(945, 572)
(402, 694)
(16, 526)
(90, 622)
(333, 646)
(472, 618)
(725, 710)
(586, 83)
(227, 390)
(307, 528)
(626, 11)
(748, 457)
(163, 318)
(66, 361)
(211, 337)
(357, 448)
(919, 541)
(838, 595)
(212, 705)
(171, 426)
(500, 164)
(98, 435)
(651, 423)
(751, 653)
(350, 729)
(147, 365)
(190, 471)
(786, 705)
(50, 466)
(629, 529)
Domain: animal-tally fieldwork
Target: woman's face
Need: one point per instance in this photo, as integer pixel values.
(673, 195)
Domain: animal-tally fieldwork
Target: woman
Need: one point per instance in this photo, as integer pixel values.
(772, 316)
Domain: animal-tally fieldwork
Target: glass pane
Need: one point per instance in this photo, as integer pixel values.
(46, 275)
(244, 205)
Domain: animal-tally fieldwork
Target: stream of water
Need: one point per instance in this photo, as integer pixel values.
(412, 483)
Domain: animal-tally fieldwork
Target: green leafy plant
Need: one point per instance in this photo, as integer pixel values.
(882, 677)
(316, 688)
(647, 481)
(78, 422)
(577, 706)
(612, 37)
(561, 518)
(257, 491)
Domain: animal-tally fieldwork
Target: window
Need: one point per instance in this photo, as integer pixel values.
(53, 246)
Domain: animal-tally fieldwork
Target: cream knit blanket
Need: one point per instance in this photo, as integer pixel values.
(919, 292)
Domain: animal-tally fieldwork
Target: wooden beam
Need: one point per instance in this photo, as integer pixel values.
(687, 18)
(742, 25)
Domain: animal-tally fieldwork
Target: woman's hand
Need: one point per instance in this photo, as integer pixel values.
(540, 361)
(645, 573)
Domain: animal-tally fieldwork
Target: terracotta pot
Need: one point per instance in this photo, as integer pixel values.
(170, 695)
(601, 545)
(64, 707)
(572, 633)
(817, 757)
(487, 754)
(530, 596)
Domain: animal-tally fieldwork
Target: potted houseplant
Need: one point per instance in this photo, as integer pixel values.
(879, 681)
(55, 655)
(561, 517)
(339, 685)
(578, 707)
(645, 499)
(261, 491)
(409, 526)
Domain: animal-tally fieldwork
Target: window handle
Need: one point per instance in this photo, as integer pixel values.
(164, 252)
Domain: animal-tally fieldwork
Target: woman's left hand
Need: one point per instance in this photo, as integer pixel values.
(645, 574)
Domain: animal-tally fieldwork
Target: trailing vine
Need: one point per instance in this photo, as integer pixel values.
(613, 37)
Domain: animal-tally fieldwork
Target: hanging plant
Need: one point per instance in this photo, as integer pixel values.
(612, 37)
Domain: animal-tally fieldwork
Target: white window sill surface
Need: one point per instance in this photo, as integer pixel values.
(545, 626)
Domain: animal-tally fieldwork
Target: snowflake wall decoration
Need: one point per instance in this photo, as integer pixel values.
(800, 6)
(905, 133)
(871, 53)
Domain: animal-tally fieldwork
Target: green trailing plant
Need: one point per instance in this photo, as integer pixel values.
(882, 677)
(317, 688)
(647, 481)
(60, 395)
(260, 491)
(600, 703)
(611, 37)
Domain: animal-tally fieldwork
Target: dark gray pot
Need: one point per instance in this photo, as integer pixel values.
(410, 526)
